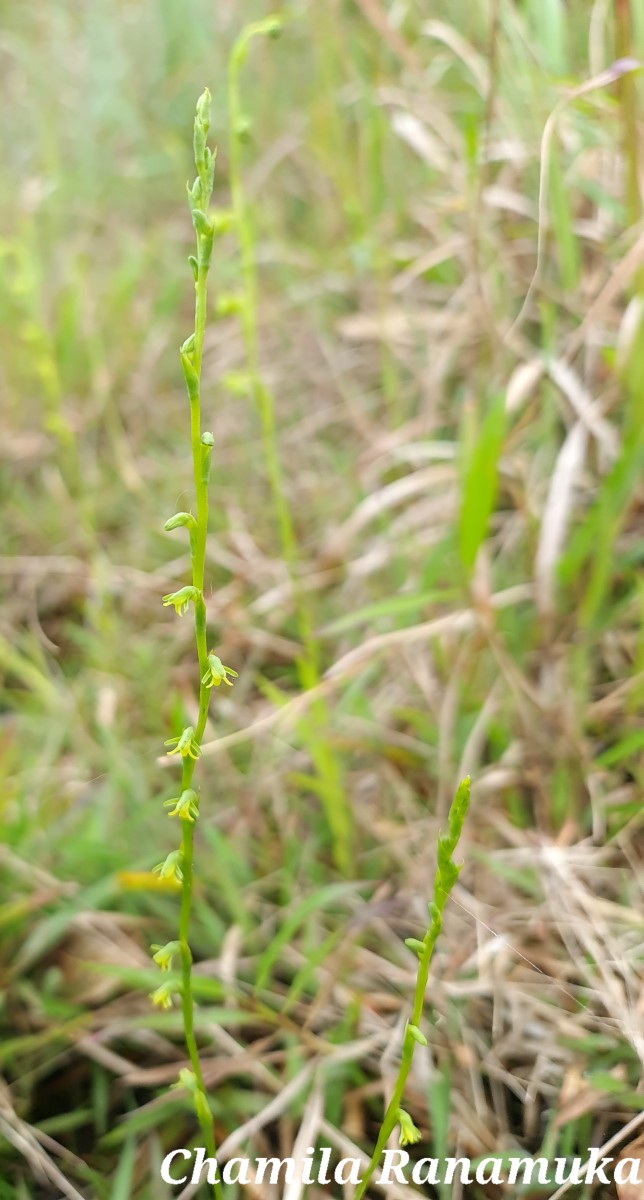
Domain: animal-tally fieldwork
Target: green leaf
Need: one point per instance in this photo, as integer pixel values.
(314, 902)
(122, 1184)
(547, 18)
(480, 484)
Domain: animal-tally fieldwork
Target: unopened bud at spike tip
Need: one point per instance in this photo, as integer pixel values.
(203, 111)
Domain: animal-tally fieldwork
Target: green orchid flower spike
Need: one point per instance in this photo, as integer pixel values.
(447, 872)
(216, 673)
(185, 748)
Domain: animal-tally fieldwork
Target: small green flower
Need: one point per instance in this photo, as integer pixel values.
(162, 997)
(163, 955)
(217, 673)
(184, 744)
(186, 805)
(171, 868)
(180, 600)
(409, 1133)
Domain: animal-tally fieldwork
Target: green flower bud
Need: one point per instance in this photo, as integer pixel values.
(191, 377)
(195, 194)
(203, 110)
(201, 223)
(205, 247)
(207, 443)
(178, 520)
(199, 145)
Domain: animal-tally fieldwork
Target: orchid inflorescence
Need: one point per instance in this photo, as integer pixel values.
(185, 747)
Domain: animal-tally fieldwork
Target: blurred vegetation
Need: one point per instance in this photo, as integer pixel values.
(450, 320)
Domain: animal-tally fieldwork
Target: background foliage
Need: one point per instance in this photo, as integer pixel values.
(464, 474)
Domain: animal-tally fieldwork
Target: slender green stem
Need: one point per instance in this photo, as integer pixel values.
(199, 537)
(332, 792)
(444, 880)
(211, 670)
(248, 315)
